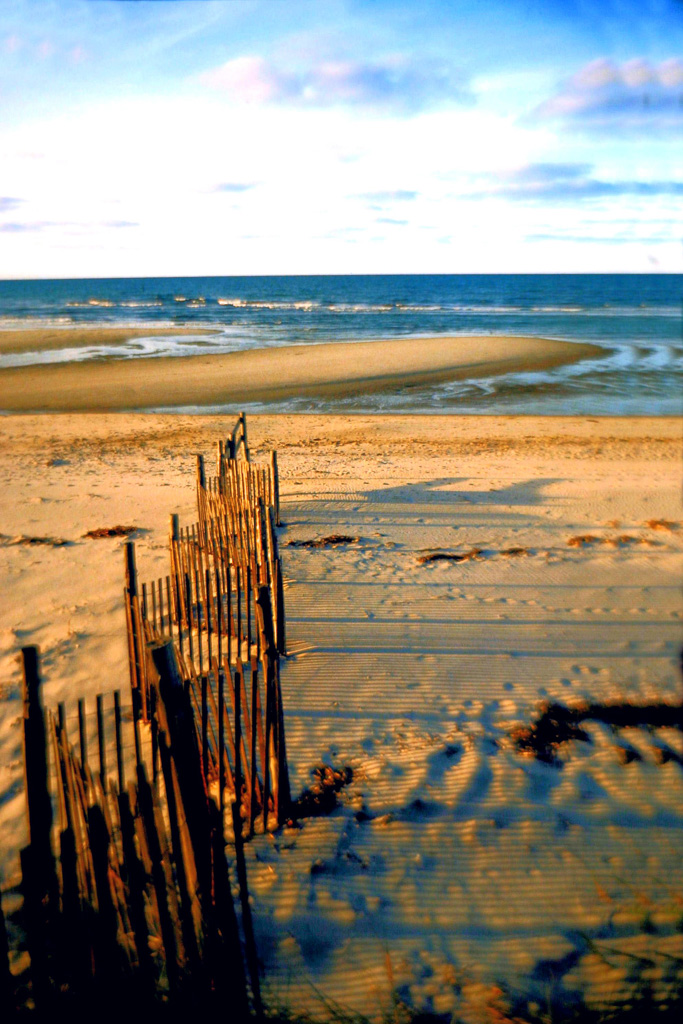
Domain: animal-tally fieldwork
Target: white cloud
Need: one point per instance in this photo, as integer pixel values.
(605, 95)
(564, 183)
(203, 185)
(9, 203)
(396, 83)
(388, 195)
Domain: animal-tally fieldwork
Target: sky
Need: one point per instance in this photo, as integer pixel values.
(152, 138)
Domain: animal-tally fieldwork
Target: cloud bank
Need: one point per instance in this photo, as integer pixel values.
(559, 182)
(234, 187)
(604, 95)
(395, 84)
(9, 203)
(16, 228)
(387, 196)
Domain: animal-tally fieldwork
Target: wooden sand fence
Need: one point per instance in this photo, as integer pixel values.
(127, 901)
(127, 896)
(222, 607)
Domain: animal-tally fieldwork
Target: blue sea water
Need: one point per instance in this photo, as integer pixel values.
(635, 319)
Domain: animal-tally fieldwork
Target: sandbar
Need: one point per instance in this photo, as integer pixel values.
(274, 374)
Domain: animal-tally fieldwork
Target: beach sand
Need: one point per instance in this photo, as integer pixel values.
(493, 563)
(261, 375)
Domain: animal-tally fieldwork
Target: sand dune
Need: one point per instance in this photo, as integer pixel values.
(263, 375)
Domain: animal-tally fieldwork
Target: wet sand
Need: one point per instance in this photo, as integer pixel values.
(41, 339)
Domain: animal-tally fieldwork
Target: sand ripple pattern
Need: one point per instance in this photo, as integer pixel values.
(457, 863)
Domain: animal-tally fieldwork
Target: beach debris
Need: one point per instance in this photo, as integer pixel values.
(662, 524)
(321, 797)
(332, 541)
(450, 556)
(621, 541)
(558, 724)
(50, 542)
(110, 531)
(624, 539)
(474, 554)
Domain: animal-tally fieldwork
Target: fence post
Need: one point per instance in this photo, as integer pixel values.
(136, 637)
(177, 723)
(176, 575)
(281, 639)
(243, 421)
(39, 806)
(201, 497)
(39, 880)
(276, 486)
(101, 741)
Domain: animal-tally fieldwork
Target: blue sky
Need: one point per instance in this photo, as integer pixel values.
(340, 136)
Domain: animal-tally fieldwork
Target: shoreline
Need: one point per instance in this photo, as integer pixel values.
(335, 370)
(46, 339)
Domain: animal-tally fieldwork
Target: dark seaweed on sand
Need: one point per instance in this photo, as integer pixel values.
(324, 542)
(558, 724)
(110, 531)
(321, 797)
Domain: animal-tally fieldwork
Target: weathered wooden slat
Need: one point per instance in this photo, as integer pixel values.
(275, 487)
(253, 744)
(39, 880)
(82, 740)
(135, 617)
(230, 975)
(38, 804)
(157, 865)
(118, 740)
(106, 948)
(134, 877)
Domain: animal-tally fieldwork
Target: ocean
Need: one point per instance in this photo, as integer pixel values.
(635, 318)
